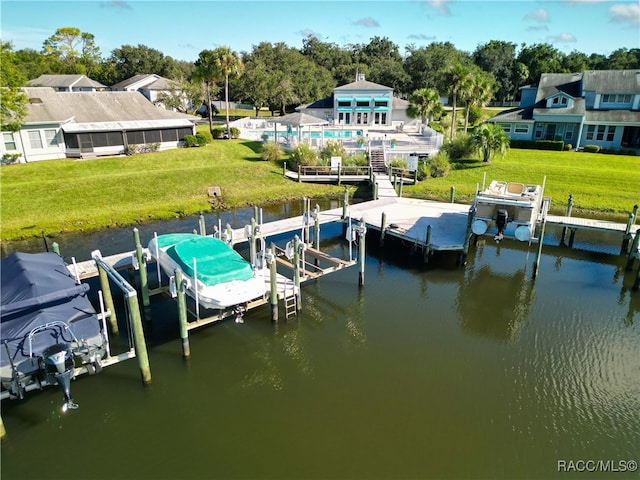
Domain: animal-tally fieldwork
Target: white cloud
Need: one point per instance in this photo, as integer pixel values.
(116, 4)
(421, 36)
(307, 32)
(539, 15)
(538, 28)
(625, 12)
(440, 5)
(564, 37)
(367, 22)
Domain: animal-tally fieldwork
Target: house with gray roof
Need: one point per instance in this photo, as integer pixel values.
(91, 124)
(151, 86)
(67, 83)
(359, 104)
(596, 107)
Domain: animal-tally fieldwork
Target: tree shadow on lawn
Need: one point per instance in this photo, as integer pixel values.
(255, 147)
(467, 163)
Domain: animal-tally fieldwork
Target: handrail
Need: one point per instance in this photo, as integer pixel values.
(364, 170)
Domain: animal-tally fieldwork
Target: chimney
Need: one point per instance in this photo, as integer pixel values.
(359, 77)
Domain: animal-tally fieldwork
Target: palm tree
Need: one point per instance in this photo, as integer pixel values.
(228, 64)
(490, 139)
(424, 103)
(206, 71)
(480, 92)
(457, 77)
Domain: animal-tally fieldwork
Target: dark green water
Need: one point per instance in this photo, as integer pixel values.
(426, 372)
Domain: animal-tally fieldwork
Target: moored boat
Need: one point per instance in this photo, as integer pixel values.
(48, 326)
(216, 275)
(507, 209)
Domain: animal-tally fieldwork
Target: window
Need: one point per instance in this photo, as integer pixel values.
(611, 130)
(114, 138)
(521, 128)
(152, 136)
(600, 134)
(71, 140)
(539, 130)
(363, 103)
(35, 140)
(344, 103)
(169, 135)
(506, 127)
(613, 98)
(51, 137)
(99, 139)
(568, 135)
(9, 141)
(563, 100)
(590, 131)
(383, 119)
(135, 137)
(381, 103)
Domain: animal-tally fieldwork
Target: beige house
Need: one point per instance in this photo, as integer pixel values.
(91, 124)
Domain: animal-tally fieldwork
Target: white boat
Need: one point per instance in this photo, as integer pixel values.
(216, 275)
(507, 209)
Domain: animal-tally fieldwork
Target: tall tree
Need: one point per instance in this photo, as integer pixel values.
(13, 101)
(498, 58)
(479, 92)
(541, 58)
(130, 60)
(459, 79)
(424, 103)
(426, 65)
(624, 59)
(228, 64)
(76, 50)
(207, 72)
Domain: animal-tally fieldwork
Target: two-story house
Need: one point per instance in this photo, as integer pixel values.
(596, 107)
(360, 103)
(67, 83)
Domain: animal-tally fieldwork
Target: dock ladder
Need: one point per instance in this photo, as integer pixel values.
(290, 303)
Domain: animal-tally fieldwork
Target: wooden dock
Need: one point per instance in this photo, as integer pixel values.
(590, 224)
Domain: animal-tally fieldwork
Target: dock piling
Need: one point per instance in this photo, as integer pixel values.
(427, 245)
(383, 227)
(452, 194)
(536, 264)
(138, 337)
(182, 314)
(345, 206)
(362, 230)
(142, 269)
(567, 214)
(316, 227)
(108, 299)
(56, 248)
(634, 252)
(203, 227)
(273, 271)
(627, 233)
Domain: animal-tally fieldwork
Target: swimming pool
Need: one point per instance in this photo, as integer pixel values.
(329, 134)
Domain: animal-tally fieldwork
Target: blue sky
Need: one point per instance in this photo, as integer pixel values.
(183, 29)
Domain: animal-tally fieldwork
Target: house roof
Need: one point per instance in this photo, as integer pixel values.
(553, 83)
(48, 106)
(324, 103)
(362, 85)
(64, 81)
(612, 81)
(513, 115)
(613, 116)
(148, 81)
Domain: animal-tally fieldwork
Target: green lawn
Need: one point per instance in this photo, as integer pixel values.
(82, 195)
(606, 185)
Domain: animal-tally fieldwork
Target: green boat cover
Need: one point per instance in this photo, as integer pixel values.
(216, 261)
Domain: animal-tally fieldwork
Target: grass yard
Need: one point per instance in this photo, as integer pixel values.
(82, 195)
(603, 185)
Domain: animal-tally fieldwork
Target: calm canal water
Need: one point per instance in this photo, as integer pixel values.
(427, 372)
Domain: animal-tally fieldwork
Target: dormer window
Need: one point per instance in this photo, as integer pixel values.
(560, 102)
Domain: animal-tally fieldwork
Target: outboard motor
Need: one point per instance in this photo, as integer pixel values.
(58, 366)
(501, 222)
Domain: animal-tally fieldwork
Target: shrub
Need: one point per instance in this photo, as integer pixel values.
(333, 148)
(439, 165)
(398, 163)
(203, 138)
(358, 159)
(568, 147)
(189, 141)
(218, 132)
(460, 147)
(9, 158)
(235, 132)
(303, 156)
(271, 152)
(556, 145)
(591, 148)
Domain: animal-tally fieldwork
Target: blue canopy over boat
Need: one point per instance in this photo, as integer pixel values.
(36, 290)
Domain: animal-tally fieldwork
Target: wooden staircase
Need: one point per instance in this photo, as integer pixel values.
(376, 161)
